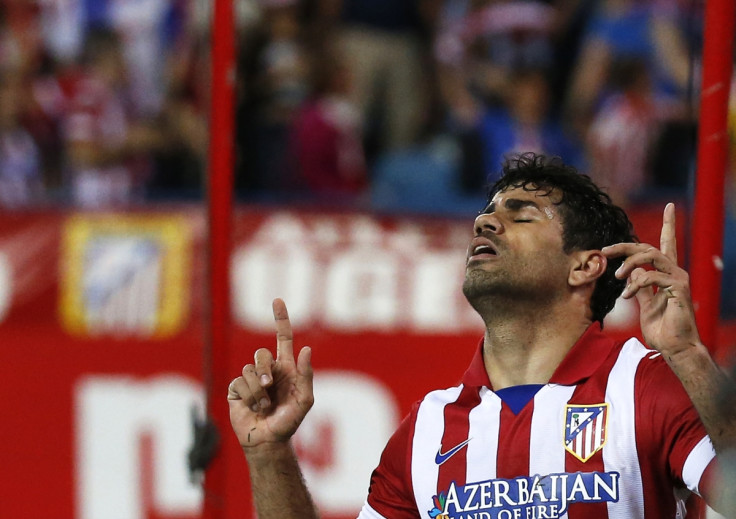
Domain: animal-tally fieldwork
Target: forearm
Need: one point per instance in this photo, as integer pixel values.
(279, 491)
(711, 392)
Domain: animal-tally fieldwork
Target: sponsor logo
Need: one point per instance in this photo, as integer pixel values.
(585, 429)
(441, 457)
(125, 275)
(532, 497)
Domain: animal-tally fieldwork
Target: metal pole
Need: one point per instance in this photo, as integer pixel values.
(707, 225)
(220, 187)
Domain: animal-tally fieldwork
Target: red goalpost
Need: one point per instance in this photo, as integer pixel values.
(708, 215)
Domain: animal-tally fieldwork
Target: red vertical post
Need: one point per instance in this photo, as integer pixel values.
(707, 225)
(220, 188)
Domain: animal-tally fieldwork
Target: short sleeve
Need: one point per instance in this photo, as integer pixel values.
(391, 493)
(671, 425)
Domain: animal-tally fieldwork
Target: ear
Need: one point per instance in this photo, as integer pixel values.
(586, 267)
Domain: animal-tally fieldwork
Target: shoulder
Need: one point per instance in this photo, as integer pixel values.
(441, 396)
(391, 490)
(652, 376)
(652, 372)
(665, 414)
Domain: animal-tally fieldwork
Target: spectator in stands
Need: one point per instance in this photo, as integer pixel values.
(327, 140)
(180, 157)
(26, 64)
(478, 52)
(105, 146)
(384, 44)
(145, 28)
(180, 162)
(625, 30)
(524, 123)
(273, 84)
(284, 60)
(62, 28)
(21, 183)
(20, 36)
(621, 136)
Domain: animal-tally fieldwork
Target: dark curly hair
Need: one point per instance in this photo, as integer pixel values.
(590, 220)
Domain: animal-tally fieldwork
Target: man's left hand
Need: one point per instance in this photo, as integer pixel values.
(662, 289)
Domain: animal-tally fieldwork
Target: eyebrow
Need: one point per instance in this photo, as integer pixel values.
(512, 204)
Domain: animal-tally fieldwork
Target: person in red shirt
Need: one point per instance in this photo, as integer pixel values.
(326, 141)
(552, 419)
(21, 181)
(105, 145)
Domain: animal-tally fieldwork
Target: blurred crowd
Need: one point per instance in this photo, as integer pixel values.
(413, 104)
(397, 105)
(102, 102)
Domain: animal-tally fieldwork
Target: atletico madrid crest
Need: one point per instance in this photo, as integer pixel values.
(585, 429)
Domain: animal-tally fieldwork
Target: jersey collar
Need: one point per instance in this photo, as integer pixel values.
(583, 359)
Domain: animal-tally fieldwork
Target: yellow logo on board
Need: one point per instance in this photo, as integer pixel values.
(125, 274)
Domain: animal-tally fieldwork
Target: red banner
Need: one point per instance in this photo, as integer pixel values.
(101, 332)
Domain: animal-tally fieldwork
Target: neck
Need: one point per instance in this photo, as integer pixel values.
(527, 347)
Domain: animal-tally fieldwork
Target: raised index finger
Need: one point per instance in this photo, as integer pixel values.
(668, 239)
(284, 337)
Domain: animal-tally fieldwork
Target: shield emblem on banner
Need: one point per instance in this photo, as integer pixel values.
(585, 429)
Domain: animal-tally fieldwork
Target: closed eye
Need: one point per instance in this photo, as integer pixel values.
(523, 221)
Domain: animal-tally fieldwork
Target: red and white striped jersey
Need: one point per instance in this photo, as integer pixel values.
(612, 435)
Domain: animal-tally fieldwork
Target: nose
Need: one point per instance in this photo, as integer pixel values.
(488, 222)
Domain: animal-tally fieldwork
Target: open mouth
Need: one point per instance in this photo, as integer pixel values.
(483, 249)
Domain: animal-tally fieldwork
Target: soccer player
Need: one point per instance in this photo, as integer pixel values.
(552, 418)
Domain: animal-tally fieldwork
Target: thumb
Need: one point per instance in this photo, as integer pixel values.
(232, 393)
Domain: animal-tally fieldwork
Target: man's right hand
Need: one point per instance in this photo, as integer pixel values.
(272, 397)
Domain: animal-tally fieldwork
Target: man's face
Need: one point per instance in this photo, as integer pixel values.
(517, 249)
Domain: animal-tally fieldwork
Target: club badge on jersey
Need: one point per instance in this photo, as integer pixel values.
(537, 495)
(585, 429)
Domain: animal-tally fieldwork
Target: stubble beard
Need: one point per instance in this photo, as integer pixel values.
(501, 291)
(490, 292)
